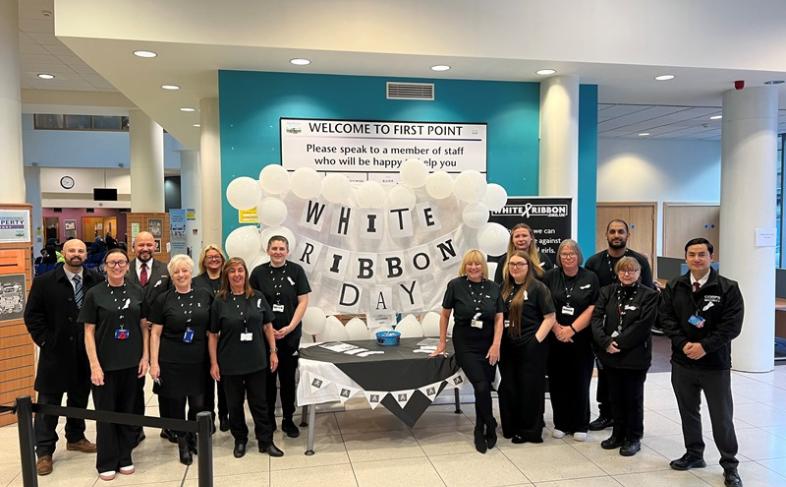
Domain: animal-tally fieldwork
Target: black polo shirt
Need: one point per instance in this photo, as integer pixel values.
(232, 316)
(578, 292)
(203, 281)
(281, 287)
(467, 298)
(176, 312)
(602, 264)
(537, 304)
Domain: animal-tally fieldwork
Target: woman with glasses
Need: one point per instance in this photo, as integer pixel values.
(621, 325)
(574, 291)
(178, 349)
(211, 261)
(241, 323)
(285, 287)
(477, 309)
(523, 239)
(116, 341)
(529, 317)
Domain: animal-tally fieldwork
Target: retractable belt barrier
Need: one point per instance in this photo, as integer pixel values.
(24, 409)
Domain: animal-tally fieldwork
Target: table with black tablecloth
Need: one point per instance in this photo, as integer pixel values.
(403, 381)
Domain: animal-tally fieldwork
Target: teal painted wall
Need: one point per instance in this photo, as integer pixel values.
(251, 104)
(588, 167)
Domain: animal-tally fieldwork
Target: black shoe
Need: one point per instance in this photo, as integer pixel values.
(288, 427)
(601, 423)
(271, 450)
(611, 443)
(223, 423)
(192, 443)
(630, 448)
(480, 440)
(687, 461)
(731, 478)
(168, 435)
(185, 454)
(518, 439)
(491, 434)
(240, 449)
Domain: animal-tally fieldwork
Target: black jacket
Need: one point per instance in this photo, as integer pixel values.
(51, 320)
(158, 281)
(634, 339)
(719, 302)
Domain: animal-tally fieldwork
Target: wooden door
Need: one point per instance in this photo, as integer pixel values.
(51, 228)
(641, 219)
(684, 221)
(110, 226)
(92, 227)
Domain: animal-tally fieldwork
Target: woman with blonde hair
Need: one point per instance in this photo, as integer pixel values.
(523, 239)
(477, 308)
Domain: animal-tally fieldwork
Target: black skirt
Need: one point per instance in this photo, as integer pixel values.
(178, 380)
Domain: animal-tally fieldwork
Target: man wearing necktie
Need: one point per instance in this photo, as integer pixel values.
(153, 277)
(701, 312)
(51, 318)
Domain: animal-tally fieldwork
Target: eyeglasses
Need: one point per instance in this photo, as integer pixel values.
(517, 264)
(629, 271)
(568, 254)
(214, 257)
(116, 263)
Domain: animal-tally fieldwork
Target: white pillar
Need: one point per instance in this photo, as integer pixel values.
(190, 188)
(210, 172)
(559, 140)
(12, 184)
(748, 171)
(147, 163)
(33, 188)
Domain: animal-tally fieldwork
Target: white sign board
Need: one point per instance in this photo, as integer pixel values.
(14, 225)
(375, 150)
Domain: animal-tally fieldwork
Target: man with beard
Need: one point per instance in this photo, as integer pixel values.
(153, 277)
(602, 264)
(51, 318)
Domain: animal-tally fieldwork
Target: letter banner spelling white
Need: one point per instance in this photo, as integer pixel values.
(375, 150)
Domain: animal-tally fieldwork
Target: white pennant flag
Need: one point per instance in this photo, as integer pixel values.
(317, 383)
(431, 390)
(402, 397)
(457, 380)
(374, 398)
(345, 392)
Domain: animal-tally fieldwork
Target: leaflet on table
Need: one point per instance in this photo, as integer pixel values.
(341, 347)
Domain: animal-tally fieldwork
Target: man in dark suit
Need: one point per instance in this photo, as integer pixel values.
(153, 277)
(51, 318)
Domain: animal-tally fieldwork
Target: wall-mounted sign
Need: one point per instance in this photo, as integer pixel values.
(14, 225)
(548, 217)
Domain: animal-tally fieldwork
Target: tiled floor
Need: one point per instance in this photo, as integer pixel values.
(360, 447)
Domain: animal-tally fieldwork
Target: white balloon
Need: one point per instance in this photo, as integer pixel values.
(313, 321)
(410, 328)
(430, 324)
(271, 211)
(274, 179)
(243, 242)
(334, 331)
(306, 183)
(493, 239)
(264, 237)
(475, 215)
(261, 259)
(401, 197)
(413, 173)
(243, 193)
(371, 194)
(495, 198)
(470, 186)
(439, 185)
(356, 329)
(336, 188)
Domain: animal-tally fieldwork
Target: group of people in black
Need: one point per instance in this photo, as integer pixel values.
(226, 333)
(544, 322)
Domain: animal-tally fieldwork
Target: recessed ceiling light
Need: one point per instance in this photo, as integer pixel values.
(196, 125)
(545, 72)
(774, 82)
(187, 109)
(46, 76)
(716, 117)
(299, 61)
(665, 77)
(643, 134)
(170, 87)
(147, 54)
(440, 67)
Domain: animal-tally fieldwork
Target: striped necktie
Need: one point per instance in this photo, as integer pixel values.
(79, 291)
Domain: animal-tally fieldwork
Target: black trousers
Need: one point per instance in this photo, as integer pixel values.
(139, 402)
(602, 395)
(175, 407)
(471, 357)
(716, 384)
(287, 366)
(626, 391)
(45, 425)
(115, 441)
(215, 389)
(570, 373)
(522, 391)
(253, 385)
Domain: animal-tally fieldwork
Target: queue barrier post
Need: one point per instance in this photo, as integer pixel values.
(205, 457)
(24, 418)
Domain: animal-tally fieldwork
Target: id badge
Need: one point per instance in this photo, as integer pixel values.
(567, 310)
(506, 323)
(278, 308)
(246, 336)
(188, 335)
(696, 321)
(477, 324)
(121, 334)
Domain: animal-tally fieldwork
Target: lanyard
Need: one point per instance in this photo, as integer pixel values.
(569, 291)
(187, 310)
(277, 287)
(509, 300)
(122, 300)
(244, 312)
(477, 298)
(621, 301)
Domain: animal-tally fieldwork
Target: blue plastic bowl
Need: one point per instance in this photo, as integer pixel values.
(388, 338)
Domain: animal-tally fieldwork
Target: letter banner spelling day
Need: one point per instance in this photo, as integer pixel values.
(548, 217)
(375, 150)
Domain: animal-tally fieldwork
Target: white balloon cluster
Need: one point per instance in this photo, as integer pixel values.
(329, 328)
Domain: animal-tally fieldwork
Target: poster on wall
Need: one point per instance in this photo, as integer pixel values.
(14, 225)
(12, 297)
(548, 217)
(374, 150)
(70, 228)
(155, 226)
(177, 231)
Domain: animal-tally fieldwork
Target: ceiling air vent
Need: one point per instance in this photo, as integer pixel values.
(410, 91)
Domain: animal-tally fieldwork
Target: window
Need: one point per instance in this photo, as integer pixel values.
(47, 121)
